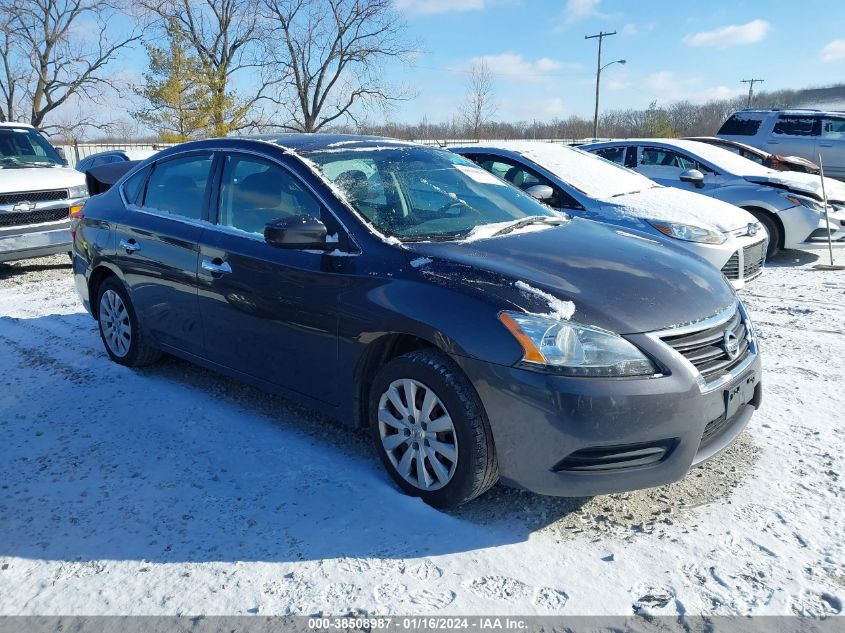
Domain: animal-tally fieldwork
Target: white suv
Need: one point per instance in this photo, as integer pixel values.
(37, 195)
(804, 133)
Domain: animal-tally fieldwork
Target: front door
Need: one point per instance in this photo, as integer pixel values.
(157, 248)
(665, 167)
(268, 312)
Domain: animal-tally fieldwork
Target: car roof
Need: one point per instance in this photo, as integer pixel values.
(14, 124)
(715, 140)
(791, 111)
(300, 142)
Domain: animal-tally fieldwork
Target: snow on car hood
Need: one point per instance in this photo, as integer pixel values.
(588, 271)
(17, 179)
(670, 204)
(798, 182)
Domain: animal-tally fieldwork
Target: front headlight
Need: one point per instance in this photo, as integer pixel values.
(690, 233)
(573, 349)
(79, 191)
(804, 202)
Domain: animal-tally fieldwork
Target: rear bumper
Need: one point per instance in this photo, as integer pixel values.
(546, 428)
(24, 242)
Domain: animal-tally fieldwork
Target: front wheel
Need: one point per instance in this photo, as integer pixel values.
(119, 328)
(772, 229)
(430, 431)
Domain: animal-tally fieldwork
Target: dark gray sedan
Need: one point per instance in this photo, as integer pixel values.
(478, 335)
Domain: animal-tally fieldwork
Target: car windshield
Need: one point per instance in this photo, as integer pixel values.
(416, 193)
(25, 147)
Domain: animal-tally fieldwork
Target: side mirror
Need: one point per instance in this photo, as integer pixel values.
(540, 192)
(693, 176)
(299, 232)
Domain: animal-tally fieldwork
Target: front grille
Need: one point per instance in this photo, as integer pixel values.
(705, 349)
(753, 259)
(33, 196)
(33, 217)
(731, 268)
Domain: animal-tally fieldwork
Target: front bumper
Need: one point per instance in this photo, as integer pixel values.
(541, 422)
(37, 240)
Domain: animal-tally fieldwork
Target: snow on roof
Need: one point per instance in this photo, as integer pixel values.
(722, 158)
(595, 176)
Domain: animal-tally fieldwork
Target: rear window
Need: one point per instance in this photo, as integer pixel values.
(789, 125)
(740, 125)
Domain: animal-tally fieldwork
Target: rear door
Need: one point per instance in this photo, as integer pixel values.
(157, 247)
(795, 135)
(831, 146)
(268, 312)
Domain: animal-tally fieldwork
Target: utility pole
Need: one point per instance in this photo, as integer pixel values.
(600, 35)
(751, 83)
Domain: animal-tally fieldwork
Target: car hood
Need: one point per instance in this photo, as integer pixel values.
(621, 281)
(800, 183)
(17, 179)
(670, 204)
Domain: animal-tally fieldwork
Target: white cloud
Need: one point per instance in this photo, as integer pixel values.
(432, 7)
(514, 67)
(545, 108)
(577, 10)
(629, 29)
(731, 35)
(667, 86)
(833, 51)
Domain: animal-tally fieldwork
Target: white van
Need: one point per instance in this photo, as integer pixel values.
(38, 192)
(804, 133)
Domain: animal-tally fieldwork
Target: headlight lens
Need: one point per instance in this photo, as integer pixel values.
(574, 349)
(79, 191)
(690, 233)
(804, 202)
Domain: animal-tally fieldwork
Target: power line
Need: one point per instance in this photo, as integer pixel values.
(751, 83)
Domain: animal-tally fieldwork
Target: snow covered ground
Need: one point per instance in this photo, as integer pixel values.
(173, 490)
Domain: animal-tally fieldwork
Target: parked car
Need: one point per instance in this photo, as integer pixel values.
(113, 156)
(788, 204)
(37, 194)
(584, 184)
(778, 162)
(804, 133)
(479, 335)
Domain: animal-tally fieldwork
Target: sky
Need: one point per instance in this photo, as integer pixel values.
(544, 68)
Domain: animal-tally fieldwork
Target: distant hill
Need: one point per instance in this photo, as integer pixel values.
(825, 98)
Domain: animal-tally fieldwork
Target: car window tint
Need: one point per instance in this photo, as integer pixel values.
(833, 128)
(788, 125)
(254, 192)
(177, 186)
(524, 178)
(740, 125)
(659, 157)
(613, 154)
(134, 186)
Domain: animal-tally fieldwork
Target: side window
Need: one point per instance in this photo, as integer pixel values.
(177, 186)
(254, 192)
(133, 188)
(613, 154)
(523, 177)
(791, 125)
(659, 157)
(740, 125)
(833, 129)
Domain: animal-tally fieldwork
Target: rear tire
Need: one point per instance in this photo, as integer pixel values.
(119, 329)
(772, 229)
(443, 440)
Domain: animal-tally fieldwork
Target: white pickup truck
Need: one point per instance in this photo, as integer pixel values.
(37, 195)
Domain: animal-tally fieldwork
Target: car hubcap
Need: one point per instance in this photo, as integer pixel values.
(417, 434)
(114, 321)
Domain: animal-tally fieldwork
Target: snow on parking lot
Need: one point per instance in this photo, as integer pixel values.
(174, 490)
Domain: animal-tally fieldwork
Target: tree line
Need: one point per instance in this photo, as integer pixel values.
(216, 67)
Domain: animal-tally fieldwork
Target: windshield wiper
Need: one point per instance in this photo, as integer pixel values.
(533, 219)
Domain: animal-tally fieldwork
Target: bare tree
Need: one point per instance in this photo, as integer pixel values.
(55, 50)
(479, 105)
(223, 35)
(331, 55)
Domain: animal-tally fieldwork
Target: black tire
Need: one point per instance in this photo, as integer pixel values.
(772, 228)
(138, 352)
(476, 468)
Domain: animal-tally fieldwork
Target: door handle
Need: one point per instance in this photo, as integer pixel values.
(216, 266)
(130, 246)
